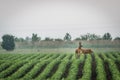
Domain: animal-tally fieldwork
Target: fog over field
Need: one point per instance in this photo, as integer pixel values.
(53, 18)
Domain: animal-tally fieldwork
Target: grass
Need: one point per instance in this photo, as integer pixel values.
(58, 50)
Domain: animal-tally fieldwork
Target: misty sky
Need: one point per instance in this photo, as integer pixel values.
(54, 18)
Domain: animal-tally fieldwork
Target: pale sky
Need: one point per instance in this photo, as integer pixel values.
(54, 18)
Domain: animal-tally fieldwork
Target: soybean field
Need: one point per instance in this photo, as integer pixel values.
(96, 66)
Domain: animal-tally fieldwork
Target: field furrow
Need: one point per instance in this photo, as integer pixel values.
(51, 66)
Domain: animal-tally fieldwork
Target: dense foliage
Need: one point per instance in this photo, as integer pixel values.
(8, 42)
(104, 66)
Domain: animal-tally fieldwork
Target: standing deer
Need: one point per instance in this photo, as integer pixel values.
(79, 51)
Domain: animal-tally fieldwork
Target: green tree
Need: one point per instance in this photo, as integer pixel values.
(27, 39)
(117, 38)
(67, 37)
(35, 38)
(94, 37)
(84, 37)
(107, 36)
(16, 39)
(48, 39)
(89, 36)
(77, 39)
(58, 39)
(8, 42)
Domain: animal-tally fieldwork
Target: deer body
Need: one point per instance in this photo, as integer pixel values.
(79, 51)
(86, 51)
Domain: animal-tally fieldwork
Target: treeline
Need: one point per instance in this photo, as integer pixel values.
(67, 37)
(9, 42)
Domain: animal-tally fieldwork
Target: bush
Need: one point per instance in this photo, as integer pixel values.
(8, 42)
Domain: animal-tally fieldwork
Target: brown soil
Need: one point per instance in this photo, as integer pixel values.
(65, 74)
(53, 70)
(94, 74)
(40, 71)
(118, 65)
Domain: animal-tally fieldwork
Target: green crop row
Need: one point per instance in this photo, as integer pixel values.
(60, 71)
(110, 56)
(101, 75)
(113, 68)
(61, 68)
(47, 70)
(5, 65)
(36, 69)
(74, 68)
(87, 68)
(11, 69)
(22, 70)
(58, 66)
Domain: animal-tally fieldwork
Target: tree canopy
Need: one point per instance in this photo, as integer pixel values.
(8, 42)
(67, 37)
(107, 36)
